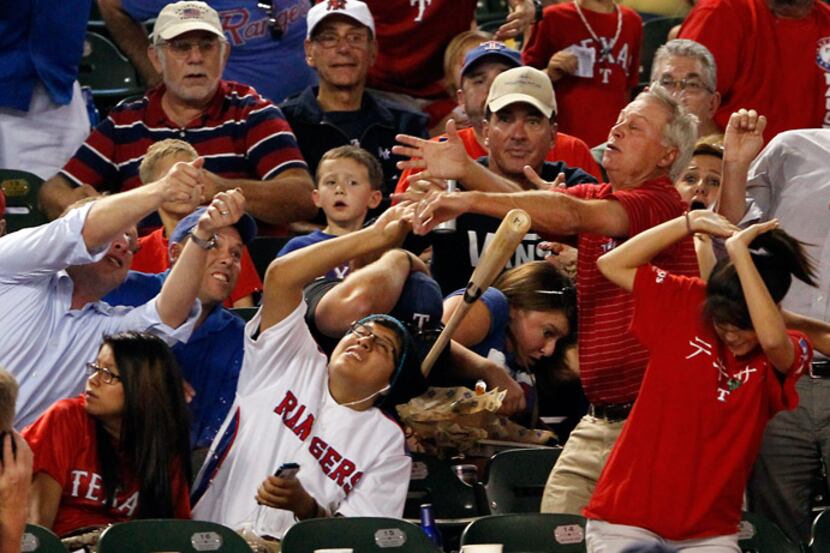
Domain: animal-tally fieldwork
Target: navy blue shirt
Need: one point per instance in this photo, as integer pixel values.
(210, 360)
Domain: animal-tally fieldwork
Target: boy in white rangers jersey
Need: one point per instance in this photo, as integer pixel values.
(294, 406)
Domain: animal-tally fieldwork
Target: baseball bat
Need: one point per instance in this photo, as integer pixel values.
(512, 229)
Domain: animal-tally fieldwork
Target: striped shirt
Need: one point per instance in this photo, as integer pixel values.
(240, 135)
(611, 360)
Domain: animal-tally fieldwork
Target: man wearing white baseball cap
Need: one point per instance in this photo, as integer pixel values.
(244, 139)
(340, 47)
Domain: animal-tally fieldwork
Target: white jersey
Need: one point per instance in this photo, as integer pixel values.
(352, 462)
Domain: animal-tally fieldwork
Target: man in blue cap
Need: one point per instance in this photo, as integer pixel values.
(211, 358)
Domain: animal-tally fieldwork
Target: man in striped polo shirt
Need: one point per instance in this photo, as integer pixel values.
(650, 144)
(244, 139)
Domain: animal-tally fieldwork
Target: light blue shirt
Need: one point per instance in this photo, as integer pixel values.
(43, 342)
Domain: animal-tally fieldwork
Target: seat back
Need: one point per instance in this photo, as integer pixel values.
(245, 313)
(182, 536)
(434, 481)
(655, 33)
(263, 250)
(760, 535)
(105, 70)
(515, 480)
(37, 539)
(362, 534)
(21, 189)
(529, 532)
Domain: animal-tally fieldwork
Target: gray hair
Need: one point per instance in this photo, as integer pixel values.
(680, 131)
(690, 49)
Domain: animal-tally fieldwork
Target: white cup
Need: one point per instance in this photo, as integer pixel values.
(335, 550)
(482, 548)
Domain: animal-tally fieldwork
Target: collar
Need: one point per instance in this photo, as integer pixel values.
(155, 115)
(310, 110)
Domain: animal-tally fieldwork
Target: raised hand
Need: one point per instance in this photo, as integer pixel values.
(518, 20)
(396, 222)
(711, 223)
(183, 183)
(743, 238)
(541, 184)
(420, 188)
(437, 208)
(562, 63)
(225, 210)
(744, 136)
(431, 160)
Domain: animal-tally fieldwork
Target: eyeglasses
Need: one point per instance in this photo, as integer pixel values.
(330, 40)
(691, 85)
(362, 331)
(107, 376)
(181, 47)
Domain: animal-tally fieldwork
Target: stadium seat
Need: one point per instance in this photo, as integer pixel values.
(821, 532)
(529, 532)
(760, 535)
(245, 313)
(263, 250)
(21, 190)
(515, 479)
(182, 536)
(37, 539)
(362, 534)
(655, 33)
(105, 70)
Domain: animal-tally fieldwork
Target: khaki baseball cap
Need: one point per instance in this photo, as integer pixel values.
(522, 84)
(181, 17)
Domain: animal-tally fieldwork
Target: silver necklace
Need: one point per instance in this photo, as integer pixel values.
(604, 51)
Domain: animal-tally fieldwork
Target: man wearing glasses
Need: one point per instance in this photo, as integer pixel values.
(244, 139)
(340, 47)
(295, 406)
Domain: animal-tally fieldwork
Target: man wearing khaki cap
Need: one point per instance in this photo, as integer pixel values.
(244, 139)
(651, 141)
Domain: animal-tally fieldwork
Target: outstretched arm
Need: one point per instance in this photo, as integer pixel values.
(767, 319)
(817, 331)
(742, 141)
(620, 264)
(287, 275)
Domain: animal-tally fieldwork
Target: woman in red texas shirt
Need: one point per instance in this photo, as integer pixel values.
(119, 451)
(721, 364)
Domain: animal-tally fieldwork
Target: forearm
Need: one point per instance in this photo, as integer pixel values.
(282, 200)
(732, 203)
(57, 193)
(468, 365)
(131, 38)
(551, 213)
(111, 215)
(181, 288)
(816, 330)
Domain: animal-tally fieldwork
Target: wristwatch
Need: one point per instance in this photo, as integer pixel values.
(208, 244)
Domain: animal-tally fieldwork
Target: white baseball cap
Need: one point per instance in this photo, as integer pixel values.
(181, 17)
(353, 9)
(522, 84)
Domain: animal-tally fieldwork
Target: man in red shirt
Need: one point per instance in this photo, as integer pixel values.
(481, 65)
(651, 143)
(773, 55)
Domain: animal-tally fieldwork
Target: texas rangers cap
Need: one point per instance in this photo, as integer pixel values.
(353, 9)
(522, 84)
(493, 49)
(245, 225)
(181, 17)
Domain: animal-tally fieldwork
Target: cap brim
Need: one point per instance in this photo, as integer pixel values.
(347, 15)
(516, 98)
(180, 28)
(493, 55)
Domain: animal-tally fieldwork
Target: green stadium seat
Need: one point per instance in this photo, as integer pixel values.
(362, 534)
(21, 189)
(181, 536)
(529, 532)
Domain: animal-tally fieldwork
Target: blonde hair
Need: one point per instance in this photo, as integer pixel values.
(159, 151)
(455, 52)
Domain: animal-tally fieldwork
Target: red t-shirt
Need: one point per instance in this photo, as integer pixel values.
(63, 441)
(411, 38)
(611, 360)
(153, 257)
(573, 151)
(699, 437)
(780, 67)
(587, 107)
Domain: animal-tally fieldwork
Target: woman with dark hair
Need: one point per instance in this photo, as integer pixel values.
(529, 313)
(721, 364)
(121, 450)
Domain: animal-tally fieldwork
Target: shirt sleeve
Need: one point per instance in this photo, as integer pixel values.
(54, 438)
(181, 493)
(46, 249)
(93, 163)
(147, 319)
(271, 146)
(783, 395)
(660, 297)
(648, 206)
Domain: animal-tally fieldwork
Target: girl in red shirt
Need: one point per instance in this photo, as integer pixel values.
(119, 451)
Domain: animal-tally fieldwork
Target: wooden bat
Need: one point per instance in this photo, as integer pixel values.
(512, 229)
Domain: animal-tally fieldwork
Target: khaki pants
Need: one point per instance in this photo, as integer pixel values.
(604, 537)
(574, 477)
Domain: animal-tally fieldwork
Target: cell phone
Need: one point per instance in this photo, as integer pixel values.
(287, 470)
